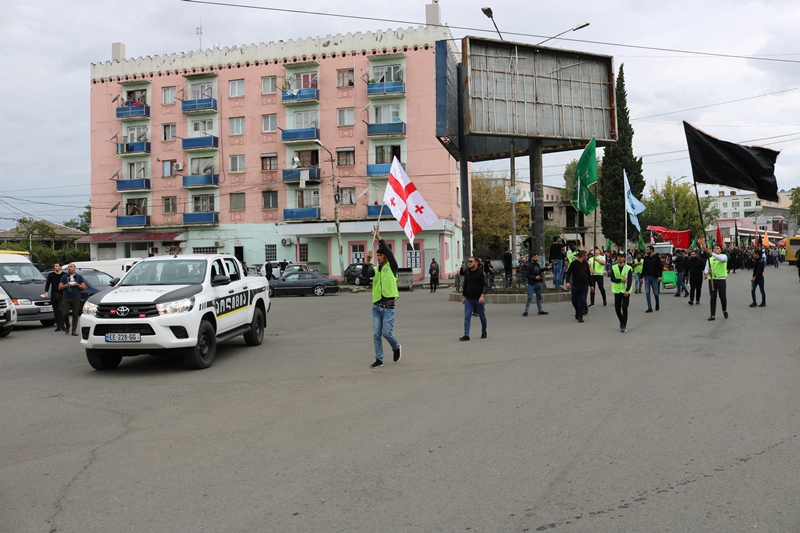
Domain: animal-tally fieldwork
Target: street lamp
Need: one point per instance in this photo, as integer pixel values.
(575, 28)
(674, 208)
(488, 12)
(335, 208)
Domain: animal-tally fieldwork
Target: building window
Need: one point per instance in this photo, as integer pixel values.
(136, 206)
(357, 253)
(303, 249)
(136, 97)
(307, 80)
(136, 134)
(168, 95)
(203, 203)
(169, 132)
(724, 214)
(237, 201)
(458, 195)
(724, 204)
(347, 116)
(346, 157)
(347, 196)
(236, 163)
(345, 78)
(137, 170)
(202, 90)
(270, 252)
(308, 198)
(168, 167)
(208, 250)
(758, 202)
(237, 88)
(269, 123)
(306, 119)
(269, 162)
(748, 203)
(385, 114)
(201, 166)
(170, 204)
(270, 199)
(734, 204)
(735, 214)
(202, 128)
(387, 73)
(413, 255)
(268, 85)
(385, 154)
(308, 158)
(237, 125)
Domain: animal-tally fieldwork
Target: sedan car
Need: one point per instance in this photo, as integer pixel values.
(356, 274)
(303, 283)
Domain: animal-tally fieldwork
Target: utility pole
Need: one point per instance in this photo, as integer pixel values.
(335, 208)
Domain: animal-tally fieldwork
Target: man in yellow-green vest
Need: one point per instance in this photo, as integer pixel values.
(621, 280)
(597, 266)
(716, 272)
(384, 296)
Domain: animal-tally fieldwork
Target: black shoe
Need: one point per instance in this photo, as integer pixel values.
(57, 329)
(605, 303)
(376, 364)
(649, 310)
(525, 313)
(623, 329)
(591, 304)
(763, 304)
(753, 304)
(75, 333)
(725, 314)
(677, 296)
(698, 302)
(711, 318)
(543, 313)
(397, 353)
(658, 307)
(483, 335)
(691, 302)
(66, 330)
(686, 295)
(464, 338)
(580, 319)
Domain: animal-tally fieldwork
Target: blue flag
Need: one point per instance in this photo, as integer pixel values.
(632, 204)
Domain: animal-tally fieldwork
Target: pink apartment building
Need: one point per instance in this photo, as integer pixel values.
(227, 150)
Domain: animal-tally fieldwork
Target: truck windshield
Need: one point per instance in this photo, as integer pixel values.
(168, 272)
(11, 272)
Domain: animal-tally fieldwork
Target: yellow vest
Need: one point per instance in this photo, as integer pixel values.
(596, 266)
(719, 269)
(619, 287)
(384, 284)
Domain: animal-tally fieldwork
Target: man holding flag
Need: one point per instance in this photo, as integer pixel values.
(384, 296)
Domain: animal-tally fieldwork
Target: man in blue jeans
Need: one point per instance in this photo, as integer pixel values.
(557, 261)
(384, 296)
(652, 270)
(534, 273)
(473, 296)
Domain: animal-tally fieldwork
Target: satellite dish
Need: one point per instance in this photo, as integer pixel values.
(116, 206)
(115, 99)
(143, 134)
(296, 161)
(115, 175)
(208, 168)
(114, 137)
(362, 193)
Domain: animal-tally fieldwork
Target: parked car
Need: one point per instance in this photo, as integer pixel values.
(96, 281)
(303, 283)
(8, 314)
(23, 282)
(297, 267)
(354, 274)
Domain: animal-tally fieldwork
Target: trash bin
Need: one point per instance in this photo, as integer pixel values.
(405, 278)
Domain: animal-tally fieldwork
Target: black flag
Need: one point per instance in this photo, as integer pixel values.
(751, 168)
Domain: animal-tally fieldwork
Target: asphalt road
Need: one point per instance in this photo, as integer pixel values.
(548, 425)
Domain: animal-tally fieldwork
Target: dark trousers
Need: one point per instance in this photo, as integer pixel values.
(695, 288)
(760, 284)
(73, 305)
(579, 299)
(597, 281)
(719, 287)
(55, 301)
(434, 284)
(621, 307)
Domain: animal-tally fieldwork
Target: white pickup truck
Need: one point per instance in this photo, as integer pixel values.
(184, 303)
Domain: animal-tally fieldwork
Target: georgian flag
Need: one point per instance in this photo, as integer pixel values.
(406, 203)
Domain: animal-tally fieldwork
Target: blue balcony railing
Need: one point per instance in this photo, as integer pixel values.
(394, 129)
(200, 143)
(300, 134)
(128, 112)
(201, 180)
(133, 220)
(133, 148)
(293, 174)
(389, 88)
(378, 210)
(139, 184)
(211, 217)
(202, 105)
(301, 213)
(300, 96)
(381, 169)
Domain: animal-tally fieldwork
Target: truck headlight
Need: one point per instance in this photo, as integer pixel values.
(90, 309)
(178, 306)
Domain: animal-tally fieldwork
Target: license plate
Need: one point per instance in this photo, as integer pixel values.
(123, 337)
(46, 309)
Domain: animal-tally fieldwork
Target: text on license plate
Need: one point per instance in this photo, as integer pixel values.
(46, 309)
(123, 337)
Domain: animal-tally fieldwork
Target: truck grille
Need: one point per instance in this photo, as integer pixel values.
(100, 330)
(133, 311)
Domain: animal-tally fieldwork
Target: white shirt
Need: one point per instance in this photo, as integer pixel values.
(723, 258)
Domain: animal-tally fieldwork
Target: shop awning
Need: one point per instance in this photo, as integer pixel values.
(132, 237)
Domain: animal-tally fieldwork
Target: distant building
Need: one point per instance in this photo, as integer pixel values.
(60, 236)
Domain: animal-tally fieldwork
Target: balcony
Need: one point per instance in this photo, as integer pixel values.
(132, 112)
(301, 213)
(378, 211)
(389, 88)
(389, 129)
(136, 148)
(292, 175)
(139, 184)
(211, 217)
(300, 96)
(208, 142)
(381, 169)
(202, 105)
(299, 135)
(133, 221)
(201, 180)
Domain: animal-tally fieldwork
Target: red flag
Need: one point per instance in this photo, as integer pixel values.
(406, 203)
(719, 238)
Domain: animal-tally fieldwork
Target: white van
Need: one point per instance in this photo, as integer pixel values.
(24, 284)
(116, 268)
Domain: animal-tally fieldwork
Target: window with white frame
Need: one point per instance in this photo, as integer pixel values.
(269, 162)
(270, 252)
(237, 125)
(303, 252)
(202, 90)
(347, 116)
(345, 77)
(724, 204)
(734, 204)
(168, 167)
(385, 114)
(269, 123)
(387, 73)
(306, 80)
(203, 203)
(346, 157)
(269, 199)
(136, 134)
(169, 132)
(357, 253)
(137, 170)
(168, 95)
(413, 255)
(201, 166)
(735, 214)
(269, 84)
(748, 203)
(236, 163)
(202, 128)
(308, 198)
(306, 119)
(347, 196)
(237, 88)
(170, 204)
(237, 201)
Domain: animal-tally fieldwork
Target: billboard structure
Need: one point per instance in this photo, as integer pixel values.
(532, 98)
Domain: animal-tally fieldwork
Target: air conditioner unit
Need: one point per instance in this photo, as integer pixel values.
(219, 243)
(179, 166)
(286, 242)
(154, 251)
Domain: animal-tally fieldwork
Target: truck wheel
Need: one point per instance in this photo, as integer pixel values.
(101, 360)
(5, 331)
(255, 336)
(201, 355)
(319, 290)
(47, 323)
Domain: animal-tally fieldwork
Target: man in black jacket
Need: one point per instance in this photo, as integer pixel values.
(534, 273)
(758, 280)
(694, 268)
(51, 290)
(473, 297)
(578, 282)
(651, 270)
(680, 268)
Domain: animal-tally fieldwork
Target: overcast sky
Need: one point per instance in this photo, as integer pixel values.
(47, 49)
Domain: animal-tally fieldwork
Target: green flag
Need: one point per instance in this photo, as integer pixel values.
(694, 243)
(608, 244)
(585, 174)
(641, 243)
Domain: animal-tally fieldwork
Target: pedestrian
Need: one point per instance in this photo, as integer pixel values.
(680, 268)
(774, 253)
(638, 263)
(797, 264)
(557, 260)
(621, 281)
(268, 270)
(72, 284)
(55, 295)
(694, 268)
(384, 296)
(717, 273)
(578, 282)
(244, 268)
(534, 273)
(597, 266)
(433, 272)
(283, 264)
(652, 269)
(508, 267)
(758, 281)
(473, 297)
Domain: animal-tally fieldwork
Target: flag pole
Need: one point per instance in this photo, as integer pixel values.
(700, 212)
(625, 216)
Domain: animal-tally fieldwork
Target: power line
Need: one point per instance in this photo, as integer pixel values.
(720, 103)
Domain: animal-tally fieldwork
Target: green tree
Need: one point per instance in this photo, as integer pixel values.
(794, 207)
(617, 158)
(660, 201)
(30, 228)
(83, 222)
(491, 215)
